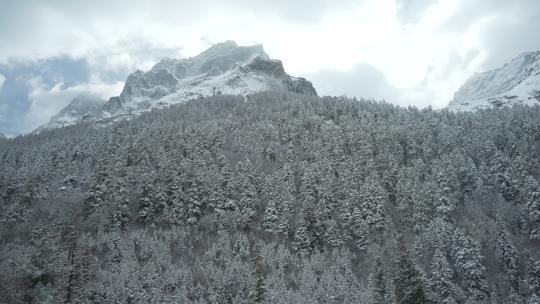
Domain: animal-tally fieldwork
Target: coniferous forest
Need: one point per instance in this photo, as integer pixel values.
(279, 198)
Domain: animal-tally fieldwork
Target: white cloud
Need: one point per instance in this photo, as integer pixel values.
(362, 81)
(425, 49)
(426, 61)
(45, 102)
(2, 80)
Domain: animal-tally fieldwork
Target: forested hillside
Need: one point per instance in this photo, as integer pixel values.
(279, 198)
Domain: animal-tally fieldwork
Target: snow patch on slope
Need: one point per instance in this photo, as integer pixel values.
(517, 82)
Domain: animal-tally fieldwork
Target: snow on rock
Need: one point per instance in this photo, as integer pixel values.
(84, 106)
(517, 82)
(224, 68)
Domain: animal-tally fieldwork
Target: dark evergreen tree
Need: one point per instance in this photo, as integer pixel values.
(533, 206)
(408, 283)
(442, 280)
(379, 292)
(506, 254)
(533, 276)
(468, 261)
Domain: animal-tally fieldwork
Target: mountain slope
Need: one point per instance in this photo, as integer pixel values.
(83, 106)
(224, 68)
(287, 198)
(517, 82)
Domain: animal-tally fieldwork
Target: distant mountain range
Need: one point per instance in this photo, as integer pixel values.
(517, 82)
(224, 68)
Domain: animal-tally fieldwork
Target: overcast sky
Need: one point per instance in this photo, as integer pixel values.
(408, 52)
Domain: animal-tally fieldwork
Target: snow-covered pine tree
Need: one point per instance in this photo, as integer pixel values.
(468, 261)
(533, 205)
(445, 198)
(533, 276)
(442, 280)
(506, 254)
(379, 292)
(374, 210)
(408, 283)
(270, 219)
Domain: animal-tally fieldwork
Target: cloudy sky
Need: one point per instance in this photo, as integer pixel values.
(408, 52)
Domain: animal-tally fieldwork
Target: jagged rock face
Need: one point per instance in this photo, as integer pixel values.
(300, 86)
(84, 106)
(113, 105)
(517, 82)
(224, 68)
(264, 65)
(153, 84)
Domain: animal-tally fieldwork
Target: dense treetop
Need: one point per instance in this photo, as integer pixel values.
(277, 198)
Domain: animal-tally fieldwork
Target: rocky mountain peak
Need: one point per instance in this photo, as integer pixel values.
(224, 68)
(229, 47)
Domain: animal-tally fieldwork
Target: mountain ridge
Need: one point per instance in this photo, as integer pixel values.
(224, 68)
(516, 82)
(82, 107)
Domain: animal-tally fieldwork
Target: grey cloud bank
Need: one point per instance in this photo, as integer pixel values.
(362, 80)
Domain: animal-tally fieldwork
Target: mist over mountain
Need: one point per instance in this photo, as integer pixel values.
(83, 106)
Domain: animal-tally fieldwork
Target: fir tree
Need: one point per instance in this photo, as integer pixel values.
(379, 293)
(506, 254)
(442, 281)
(533, 275)
(469, 263)
(408, 283)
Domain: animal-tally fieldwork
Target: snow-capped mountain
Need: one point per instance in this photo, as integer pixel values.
(83, 106)
(517, 82)
(224, 68)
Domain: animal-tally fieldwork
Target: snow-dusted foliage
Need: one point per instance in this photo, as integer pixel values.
(280, 198)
